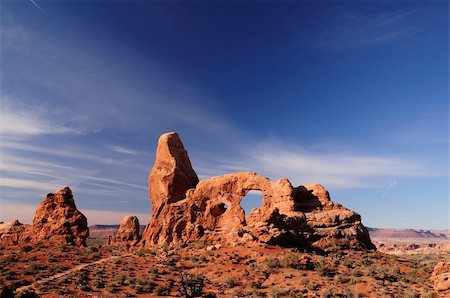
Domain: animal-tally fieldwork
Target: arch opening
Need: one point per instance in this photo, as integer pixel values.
(219, 209)
(252, 199)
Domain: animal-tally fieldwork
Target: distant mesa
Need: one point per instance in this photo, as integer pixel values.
(57, 220)
(188, 210)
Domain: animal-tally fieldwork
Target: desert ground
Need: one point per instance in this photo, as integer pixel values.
(101, 270)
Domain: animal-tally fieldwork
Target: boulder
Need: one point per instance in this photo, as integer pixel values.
(128, 232)
(185, 210)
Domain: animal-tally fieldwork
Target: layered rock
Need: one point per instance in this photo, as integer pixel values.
(57, 220)
(13, 232)
(441, 278)
(210, 210)
(128, 232)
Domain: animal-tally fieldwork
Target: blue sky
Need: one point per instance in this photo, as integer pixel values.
(351, 95)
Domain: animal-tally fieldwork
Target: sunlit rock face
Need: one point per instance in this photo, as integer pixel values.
(128, 232)
(57, 220)
(441, 278)
(187, 210)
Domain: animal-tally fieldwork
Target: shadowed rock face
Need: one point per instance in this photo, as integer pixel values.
(185, 210)
(57, 220)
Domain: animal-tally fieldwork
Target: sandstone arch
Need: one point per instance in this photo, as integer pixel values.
(188, 210)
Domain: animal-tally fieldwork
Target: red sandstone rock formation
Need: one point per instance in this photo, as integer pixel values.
(128, 232)
(187, 211)
(11, 233)
(172, 174)
(57, 220)
(441, 278)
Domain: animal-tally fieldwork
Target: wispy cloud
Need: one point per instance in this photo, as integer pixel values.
(102, 79)
(28, 184)
(391, 185)
(333, 169)
(23, 121)
(61, 152)
(37, 6)
(356, 29)
(123, 150)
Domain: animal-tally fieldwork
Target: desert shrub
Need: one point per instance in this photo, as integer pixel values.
(326, 294)
(144, 285)
(6, 292)
(253, 285)
(348, 263)
(120, 279)
(85, 288)
(367, 262)
(312, 286)
(98, 283)
(26, 248)
(142, 252)
(112, 288)
(191, 285)
(29, 271)
(356, 273)
(385, 273)
(272, 263)
(153, 270)
(430, 295)
(231, 282)
(52, 259)
(410, 294)
(63, 248)
(161, 291)
(27, 294)
(342, 280)
(170, 262)
(290, 260)
(324, 269)
(10, 276)
(10, 259)
(81, 278)
(276, 293)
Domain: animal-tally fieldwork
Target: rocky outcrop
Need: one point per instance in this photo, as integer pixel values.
(172, 173)
(210, 210)
(441, 278)
(13, 232)
(128, 232)
(57, 220)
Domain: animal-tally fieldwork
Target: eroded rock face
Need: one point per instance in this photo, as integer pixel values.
(441, 278)
(303, 216)
(128, 232)
(172, 173)
(13, 232)
(57, 220)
